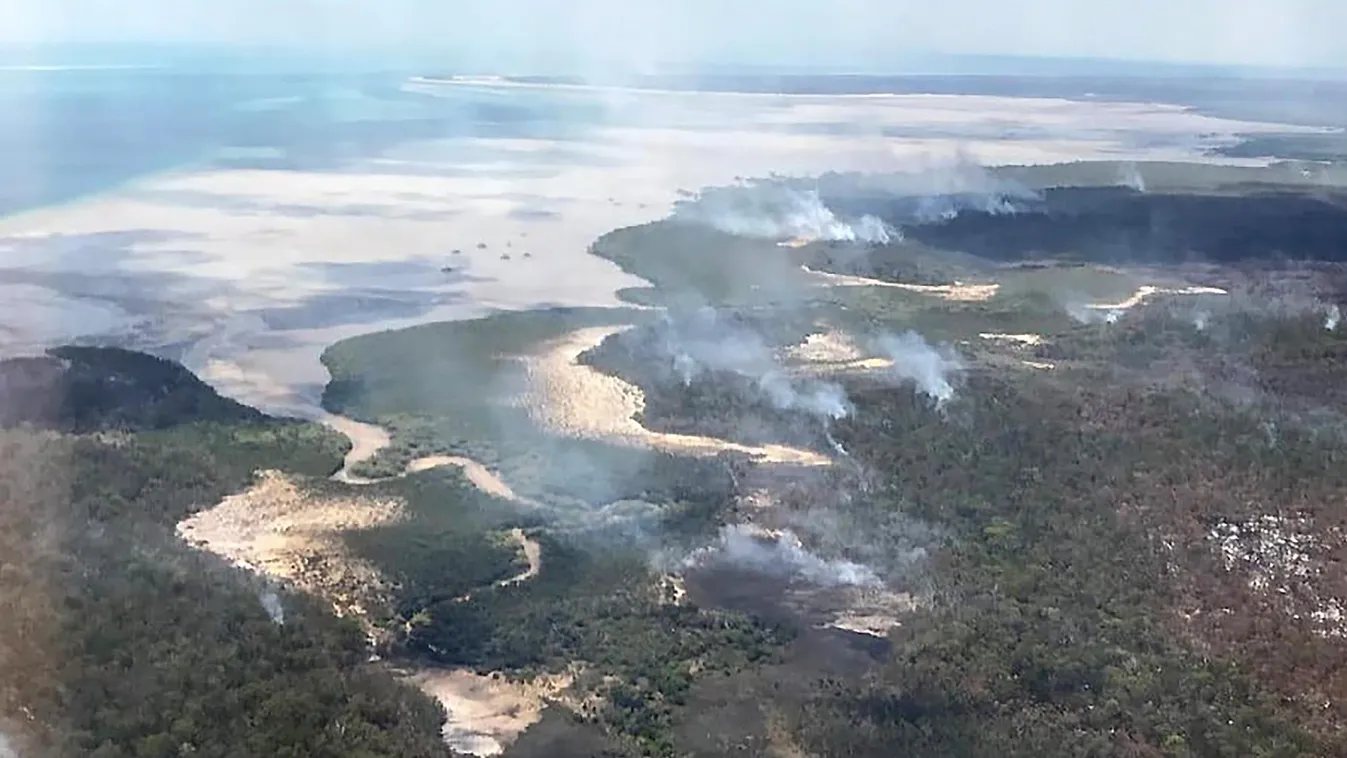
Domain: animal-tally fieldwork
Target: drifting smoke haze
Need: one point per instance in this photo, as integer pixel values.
(1130, 176)
(1201, 320)
(775, 209)
(916, 360)
(855, 207)
(937, 190)
(780, 553)
(701, 341)
(1082, 313)
(271, 603)
(906, 542)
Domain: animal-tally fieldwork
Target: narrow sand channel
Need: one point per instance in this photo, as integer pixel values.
(278, 529)
(956, 291)
(484, 713)
(572, 399)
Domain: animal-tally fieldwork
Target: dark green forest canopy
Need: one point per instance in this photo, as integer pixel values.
(117, 639)
(88, 389)
(1057, 619)
(1075, 602)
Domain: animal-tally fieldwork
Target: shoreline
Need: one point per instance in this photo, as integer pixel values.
(510, 219)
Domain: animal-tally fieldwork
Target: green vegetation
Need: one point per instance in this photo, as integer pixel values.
(446, 388)
(1056, 525)
(1055, 626)
(87, 389)
(1054, 630)
(1078, 605)
(117, 639)
(603, 608)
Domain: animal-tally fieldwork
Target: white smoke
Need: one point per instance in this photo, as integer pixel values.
(1332, 316)
(780, 553)
(271, 603)
(1084, 314)
(836, 446)
(1201, 320)
(701, 341)
(1130, 176)
(935, 191)
(772, 209)
(915, 359)
(825, 399)
(854, 207)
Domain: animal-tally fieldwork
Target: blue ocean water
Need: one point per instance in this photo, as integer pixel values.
(70, 130)
(66, 132)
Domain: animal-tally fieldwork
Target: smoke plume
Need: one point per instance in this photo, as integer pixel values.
(937, 190)
(780, 553)
(855, 207)
(1130, 176)
(773, 209)
(1083, 314)
(702, 341)
(915, 359)
(271, 603)
(1201, 319)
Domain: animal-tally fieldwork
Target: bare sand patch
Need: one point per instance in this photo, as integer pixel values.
(956, 291)
(480, 476)
(487, 713)
(825, 347)
(1149, 291)
(572, 399)
(533, 553)
(279, 530)
(477, 474)
(1027, 340)
(366, 441)
(857, 623)
(832, 353)
(873, 612)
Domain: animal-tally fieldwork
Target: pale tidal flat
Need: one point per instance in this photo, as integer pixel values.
(247, 274)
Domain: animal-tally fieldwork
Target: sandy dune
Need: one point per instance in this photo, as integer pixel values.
(572, 399)
(1149, 291)
(874, 612)
(486, 713)
(956, 291)
(279, 530)
(1027, 340)
(533, 553)
(479, 475)
(366, 441)
(829, 353)
(825, 347)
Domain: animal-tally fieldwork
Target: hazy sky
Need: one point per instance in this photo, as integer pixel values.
(642, 33)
